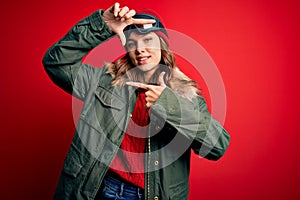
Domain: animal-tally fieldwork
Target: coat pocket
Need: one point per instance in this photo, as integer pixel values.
(179, 191)
(72, 168)
(109, 99)
(72, 162)
(71, 175)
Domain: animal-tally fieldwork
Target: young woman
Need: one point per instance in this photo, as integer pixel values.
(141, 115)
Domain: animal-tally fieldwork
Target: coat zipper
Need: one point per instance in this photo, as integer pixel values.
(148, 172)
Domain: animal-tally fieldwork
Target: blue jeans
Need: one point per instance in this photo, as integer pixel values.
(114, 189)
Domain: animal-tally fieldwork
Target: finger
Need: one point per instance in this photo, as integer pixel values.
(123, 11)
(138, 85)
(122, 38)
(143, 21)
(161, 80)
(116, 9)
(148, 105)
(148, 93)
(111, 9)
(130, 14)
(148, 100)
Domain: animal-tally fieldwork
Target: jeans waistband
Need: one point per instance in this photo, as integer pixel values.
(116, 183)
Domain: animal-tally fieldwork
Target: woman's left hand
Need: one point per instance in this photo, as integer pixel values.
(117, 18)
(153, 91)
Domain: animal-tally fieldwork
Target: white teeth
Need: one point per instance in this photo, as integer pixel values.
(141, 59)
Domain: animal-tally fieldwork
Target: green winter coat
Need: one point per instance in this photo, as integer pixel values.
(177, 125)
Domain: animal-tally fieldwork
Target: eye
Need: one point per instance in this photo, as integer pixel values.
(148, 39)
(130, 45)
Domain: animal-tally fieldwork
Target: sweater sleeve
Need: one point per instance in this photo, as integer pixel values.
(63, 61)
(191, 119)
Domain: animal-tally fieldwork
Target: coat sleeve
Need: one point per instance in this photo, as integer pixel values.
(63, 61)
(192, 119)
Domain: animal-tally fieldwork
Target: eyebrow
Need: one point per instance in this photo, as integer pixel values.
(144, 35)
(131, 40)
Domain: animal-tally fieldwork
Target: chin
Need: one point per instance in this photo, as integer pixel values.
(147, 67)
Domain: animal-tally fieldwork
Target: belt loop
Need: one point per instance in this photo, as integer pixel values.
(121, 190)
(139, 193)
(119, 195)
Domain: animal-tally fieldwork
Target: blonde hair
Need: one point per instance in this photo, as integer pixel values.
(123, 70)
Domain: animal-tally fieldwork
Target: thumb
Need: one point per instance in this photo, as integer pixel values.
(122, 38)
(161, 81)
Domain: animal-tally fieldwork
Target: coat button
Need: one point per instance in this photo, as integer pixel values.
(156, 162)
(157, 128)
(156, 198)
(172, 110)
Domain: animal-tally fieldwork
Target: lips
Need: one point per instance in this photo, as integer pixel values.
(142, 59)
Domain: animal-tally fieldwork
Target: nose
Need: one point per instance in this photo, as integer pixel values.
(140, 47)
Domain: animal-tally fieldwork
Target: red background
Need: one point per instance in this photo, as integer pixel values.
(255, 45)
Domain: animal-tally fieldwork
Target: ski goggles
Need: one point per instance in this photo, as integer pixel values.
(145, 28)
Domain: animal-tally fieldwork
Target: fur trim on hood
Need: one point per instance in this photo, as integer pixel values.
(183, 86)
(179, 82)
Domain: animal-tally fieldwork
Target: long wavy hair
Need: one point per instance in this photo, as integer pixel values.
(123, 70)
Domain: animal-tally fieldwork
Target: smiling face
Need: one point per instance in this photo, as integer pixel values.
(145, 52)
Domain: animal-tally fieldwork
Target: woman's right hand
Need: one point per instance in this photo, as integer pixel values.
(117, 18)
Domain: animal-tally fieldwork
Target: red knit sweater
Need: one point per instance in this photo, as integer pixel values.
(129, 161)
